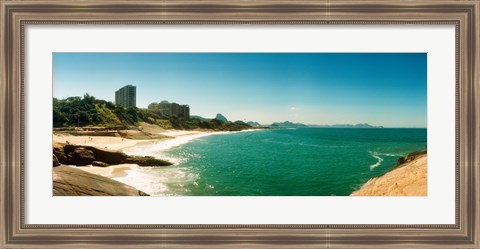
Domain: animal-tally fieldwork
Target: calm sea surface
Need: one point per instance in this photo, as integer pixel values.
(289, 162)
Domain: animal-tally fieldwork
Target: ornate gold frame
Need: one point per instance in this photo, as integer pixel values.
(15, 15)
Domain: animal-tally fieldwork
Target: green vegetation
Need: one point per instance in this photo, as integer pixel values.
(89, 111)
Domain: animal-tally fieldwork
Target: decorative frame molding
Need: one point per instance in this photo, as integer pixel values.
(16, 15)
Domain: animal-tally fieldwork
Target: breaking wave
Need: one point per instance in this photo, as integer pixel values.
(379, 160)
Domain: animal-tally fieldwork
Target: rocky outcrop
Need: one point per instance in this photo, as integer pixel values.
(410, 157)
(147, 161)
(409, 178)
(86, 155)
(69, 181)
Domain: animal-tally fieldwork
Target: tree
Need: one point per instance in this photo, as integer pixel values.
(132, 114)
(110, 105)
(87, 98)
(83, 118)
(59, 118)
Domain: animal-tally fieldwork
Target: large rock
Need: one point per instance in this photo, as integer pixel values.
(69, 181)
(147, 161)
(59, 152)
(80, 155)
(410, 157)
(100, 164)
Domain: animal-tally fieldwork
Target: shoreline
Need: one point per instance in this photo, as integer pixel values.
(165, 139)
(120, 143)
(176, 138)
(133, 147)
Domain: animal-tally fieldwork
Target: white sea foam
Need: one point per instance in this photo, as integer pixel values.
(389, 154)
(154, 148)
(379, 160)
(159, 181)
(146, 149)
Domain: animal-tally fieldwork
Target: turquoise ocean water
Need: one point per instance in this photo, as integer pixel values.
(286, 162)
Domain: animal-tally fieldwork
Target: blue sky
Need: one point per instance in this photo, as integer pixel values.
(388, 89)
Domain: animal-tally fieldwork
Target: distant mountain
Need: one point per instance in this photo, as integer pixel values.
(364, 125)
(320, 126)
(252, 123)
(221, 118)
(288, 124)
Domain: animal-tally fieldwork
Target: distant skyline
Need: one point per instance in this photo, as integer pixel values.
(387, 89)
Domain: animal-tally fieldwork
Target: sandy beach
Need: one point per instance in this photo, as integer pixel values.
(407, 179)
(104, 142)
(110, 172)
(119, 143)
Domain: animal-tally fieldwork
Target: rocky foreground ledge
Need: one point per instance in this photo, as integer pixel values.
(409, 178)
(81, 155)
(69, 181)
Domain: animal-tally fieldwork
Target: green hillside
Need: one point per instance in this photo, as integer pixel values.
(89, 111)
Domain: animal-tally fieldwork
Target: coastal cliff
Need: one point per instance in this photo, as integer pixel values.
(409, 178)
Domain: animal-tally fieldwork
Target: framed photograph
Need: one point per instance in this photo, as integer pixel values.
(213, 124)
